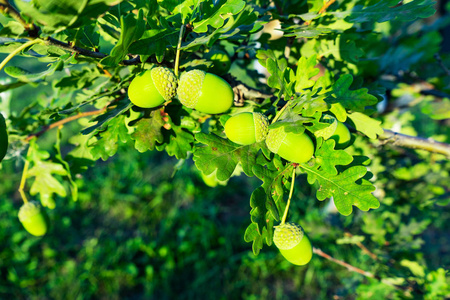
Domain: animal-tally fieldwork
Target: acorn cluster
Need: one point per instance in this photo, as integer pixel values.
(252, 127)
(209, 93)
(196, 89)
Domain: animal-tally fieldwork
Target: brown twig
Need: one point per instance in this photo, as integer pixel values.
(64, 121)
(322, 10)
(363, 248)
(7, 8)
(70, 48)
(33, 33)
(65, 46)
(325, 6)
(358, 270)
(243, 92)
(343, 263)
(414, 142)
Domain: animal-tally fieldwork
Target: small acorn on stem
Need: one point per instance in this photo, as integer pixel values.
(205, 92)
(293, 243)
(341, 136)
(336, 131)
(294, 147)
(33, 218)
(247, 128)
(153, 87)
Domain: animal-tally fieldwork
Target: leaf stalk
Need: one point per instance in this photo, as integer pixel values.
(18, 50)
(24, 177)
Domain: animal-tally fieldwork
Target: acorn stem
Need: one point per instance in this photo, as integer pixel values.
(278, 115)
(283, 220)
(24, 177)
(177, 58)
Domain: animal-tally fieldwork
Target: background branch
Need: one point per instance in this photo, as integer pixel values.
(7, 8)
(70, 48)
(357, 270)
(362, 247)
(243, 91)
(322, 10)
(343, 263)
(64, 121)
(34, 30)
(414, 142)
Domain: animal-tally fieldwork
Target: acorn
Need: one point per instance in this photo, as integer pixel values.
(294, 147)
(336, 131)
(33, 218)
(247, 128)
(205, 92)
(153, 87)
(293, 243)
(341, 136)
(211, 180)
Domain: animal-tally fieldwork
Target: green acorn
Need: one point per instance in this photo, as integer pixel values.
(247, 128)
(205, 92)
(294, 147)
(336, 131)
(293, 243)
(153, 87)
(211, 180)
(33, 218)
(341, 136)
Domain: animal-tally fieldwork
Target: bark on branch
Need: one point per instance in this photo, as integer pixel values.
(414, 142)
(33, 33)
(64, 121)
(360, 271)
(343, 263)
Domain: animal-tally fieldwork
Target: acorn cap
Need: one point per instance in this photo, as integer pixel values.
(165, 82)
(274, 139)
(190, 90)
(288, 235)
(28, 210)
(261, 126)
